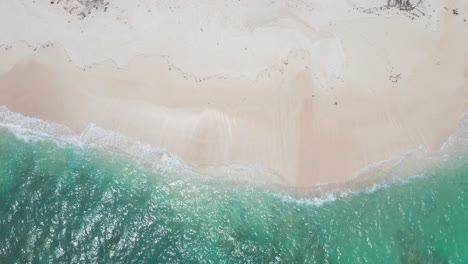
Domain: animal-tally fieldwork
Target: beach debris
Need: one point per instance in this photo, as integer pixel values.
(409, 8)
(82, 8)
(406, 5)
(455, 12)
(394, 78)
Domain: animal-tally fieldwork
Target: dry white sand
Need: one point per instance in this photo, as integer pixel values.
(312, 90)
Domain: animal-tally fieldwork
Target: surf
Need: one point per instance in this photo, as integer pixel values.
(75, 198)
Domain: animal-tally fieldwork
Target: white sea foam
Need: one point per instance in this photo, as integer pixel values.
(413, 160)
(309, 201)
(400, 168)
(33, 129)
(457, 142)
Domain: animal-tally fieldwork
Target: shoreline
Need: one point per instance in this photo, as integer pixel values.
(314, 101)
(399, 168)
(208, 134)
(74, 190)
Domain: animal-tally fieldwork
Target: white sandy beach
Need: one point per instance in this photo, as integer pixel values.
(312, 90)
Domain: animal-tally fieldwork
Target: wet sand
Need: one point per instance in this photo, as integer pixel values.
(314, 92)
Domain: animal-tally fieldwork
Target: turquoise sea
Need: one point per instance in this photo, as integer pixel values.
(62, 202)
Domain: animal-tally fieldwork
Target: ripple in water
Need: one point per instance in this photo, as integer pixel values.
(64, 203)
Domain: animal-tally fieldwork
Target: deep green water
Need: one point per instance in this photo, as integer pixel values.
(62, 203)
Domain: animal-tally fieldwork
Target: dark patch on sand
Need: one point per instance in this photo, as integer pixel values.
(83, 8)
(412, 9)
(395, 78)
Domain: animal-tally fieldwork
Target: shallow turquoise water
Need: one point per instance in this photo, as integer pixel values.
(61, 203)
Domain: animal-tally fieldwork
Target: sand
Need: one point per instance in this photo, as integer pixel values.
(312, 91)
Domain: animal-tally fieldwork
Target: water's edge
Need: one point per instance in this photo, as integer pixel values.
(66, 198)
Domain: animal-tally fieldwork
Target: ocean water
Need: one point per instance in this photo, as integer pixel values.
(63, 202)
